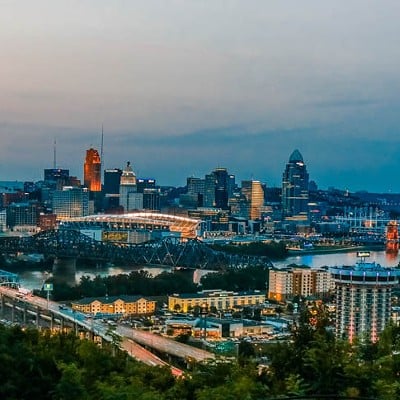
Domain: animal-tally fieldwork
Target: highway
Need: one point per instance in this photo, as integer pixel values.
(132, 339)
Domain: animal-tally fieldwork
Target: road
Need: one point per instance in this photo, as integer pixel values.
(132, 339)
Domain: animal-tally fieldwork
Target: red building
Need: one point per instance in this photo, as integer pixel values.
(92, 170)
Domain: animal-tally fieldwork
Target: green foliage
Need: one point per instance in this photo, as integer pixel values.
(273, 250)
(134, 283)
(250, 278)
(37, 365)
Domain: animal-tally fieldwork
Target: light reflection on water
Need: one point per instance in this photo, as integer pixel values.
(34, 279)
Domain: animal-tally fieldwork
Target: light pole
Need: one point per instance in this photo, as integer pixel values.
(204, 312)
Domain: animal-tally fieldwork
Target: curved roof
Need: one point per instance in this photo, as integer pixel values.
(186, 226)
(296, 157)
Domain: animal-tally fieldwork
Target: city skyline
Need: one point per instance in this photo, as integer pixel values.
(184, 87)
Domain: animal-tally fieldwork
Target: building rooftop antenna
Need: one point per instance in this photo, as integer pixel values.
(101, 151)
(55, 154)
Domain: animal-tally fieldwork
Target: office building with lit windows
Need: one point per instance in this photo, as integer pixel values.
(129, 198)
(253, 194)
(70, 202)
(363, 299)
(92, 171)
(295, 189)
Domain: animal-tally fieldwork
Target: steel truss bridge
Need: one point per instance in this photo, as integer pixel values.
(172, 252)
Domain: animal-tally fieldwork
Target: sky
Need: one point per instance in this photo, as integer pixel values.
(184, 86)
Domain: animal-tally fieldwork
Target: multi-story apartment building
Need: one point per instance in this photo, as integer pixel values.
(288, 282)
(363, 299)
(218, 299)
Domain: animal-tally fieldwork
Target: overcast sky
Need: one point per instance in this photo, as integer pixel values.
(185, 86)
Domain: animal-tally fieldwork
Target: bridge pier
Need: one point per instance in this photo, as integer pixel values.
(64, 269)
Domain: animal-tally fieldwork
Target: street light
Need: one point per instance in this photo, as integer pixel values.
(203, 313)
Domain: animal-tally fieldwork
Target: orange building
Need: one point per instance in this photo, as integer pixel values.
(119, 305)
(92, 170)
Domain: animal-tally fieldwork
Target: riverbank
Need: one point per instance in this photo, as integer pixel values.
(334, 249)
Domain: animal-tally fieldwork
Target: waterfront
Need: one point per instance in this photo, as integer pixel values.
(34, 278)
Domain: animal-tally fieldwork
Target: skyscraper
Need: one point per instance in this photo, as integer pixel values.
(92, 171)
(112, 180)
(129, 198)
(253, 194)
(218, 188)
(70, 202)
(295, 187)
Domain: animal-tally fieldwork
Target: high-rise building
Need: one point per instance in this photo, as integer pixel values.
(295, 188)
(253, 194)
(71, 202)
(151, 199)
(222, 183)
(56, 178)
(23, 216)
(363, 299)
(218, 188)
(112, 180)
(288, 282)
(145, 183)
(129, 198)
(92, 170)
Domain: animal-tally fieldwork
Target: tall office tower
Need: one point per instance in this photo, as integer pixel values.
(363, 299)
(209, 191)
(56, 177)
(145, 183)
(151, 199)
(295, 187)
(195, 191)
(218, 188)
(129, 198)
(195, 185)
(70, 202)
(253, 194)
(222, 182)
(112, 180)
(92, 171)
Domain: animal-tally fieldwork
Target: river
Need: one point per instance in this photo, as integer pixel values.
(34, 278)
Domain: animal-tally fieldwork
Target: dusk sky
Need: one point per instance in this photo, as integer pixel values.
(185, 86)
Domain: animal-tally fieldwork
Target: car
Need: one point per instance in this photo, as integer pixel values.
(63, 307)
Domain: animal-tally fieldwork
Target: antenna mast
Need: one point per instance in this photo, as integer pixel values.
(101, 151)
(55, 154)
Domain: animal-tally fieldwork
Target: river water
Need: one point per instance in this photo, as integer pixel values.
(34, 278)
